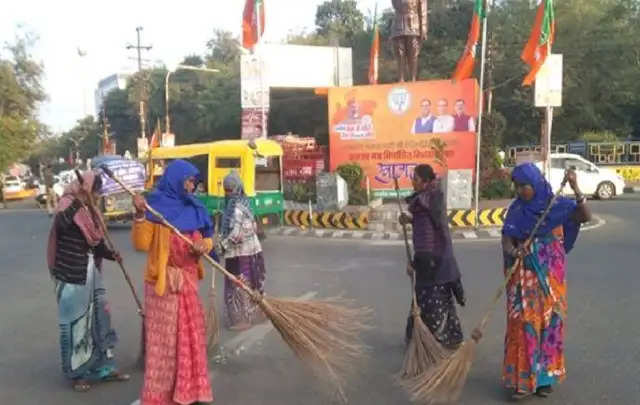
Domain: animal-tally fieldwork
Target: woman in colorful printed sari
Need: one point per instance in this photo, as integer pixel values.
(536, 294)
(176, 361)
(74, 254)
(243, 256)
(438, 278)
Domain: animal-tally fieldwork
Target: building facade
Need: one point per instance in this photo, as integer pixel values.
(106, 85)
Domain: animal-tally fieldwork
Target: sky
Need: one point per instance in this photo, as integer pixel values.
(104, 29)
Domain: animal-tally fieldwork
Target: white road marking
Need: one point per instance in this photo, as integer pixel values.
(599, 222)
(495, 233)
(470, 235)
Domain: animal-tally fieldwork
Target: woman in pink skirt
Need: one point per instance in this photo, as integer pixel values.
(176, 360)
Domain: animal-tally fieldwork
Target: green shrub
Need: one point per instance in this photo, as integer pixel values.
(353, 175)
(495, 184)
(300, 191)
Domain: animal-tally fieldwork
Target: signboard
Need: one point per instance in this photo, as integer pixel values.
(331, 191)
(390, 129)
(168, 140)
(131, 172)
(548, 92)
(143, 148)
(458, 189)
(254, 82)
(252, 122)
(304, 66)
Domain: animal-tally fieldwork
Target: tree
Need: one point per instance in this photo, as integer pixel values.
(339, 19)
(20, 95)
(193, 60)
(224, 50)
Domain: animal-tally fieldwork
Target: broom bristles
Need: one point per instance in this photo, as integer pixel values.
(213, 327)
(324, 334)
(442, 384)
(423, 352)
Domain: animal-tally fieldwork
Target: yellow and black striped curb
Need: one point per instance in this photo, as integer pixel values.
(337, 220)
(487, 217)
(459, 234)
(354, 221)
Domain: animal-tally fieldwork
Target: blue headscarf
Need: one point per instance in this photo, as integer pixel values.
(182, 209)
(523, 215)
(235, 198)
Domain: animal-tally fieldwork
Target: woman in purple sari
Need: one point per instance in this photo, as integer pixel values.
(438, 278)
(243, 256)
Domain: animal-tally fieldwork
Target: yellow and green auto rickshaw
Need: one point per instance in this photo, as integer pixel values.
(259, 164)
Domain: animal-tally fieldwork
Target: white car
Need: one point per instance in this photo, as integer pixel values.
(13, 184)
(600, 182)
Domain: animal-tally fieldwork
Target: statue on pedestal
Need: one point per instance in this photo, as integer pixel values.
(408, 30)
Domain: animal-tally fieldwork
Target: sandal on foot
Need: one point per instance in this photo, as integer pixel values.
(81, 385)
(544, 391)
(116, 376)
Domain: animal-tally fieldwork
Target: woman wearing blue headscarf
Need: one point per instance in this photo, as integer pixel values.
(536, 294)
(176, 358)
(243, 256)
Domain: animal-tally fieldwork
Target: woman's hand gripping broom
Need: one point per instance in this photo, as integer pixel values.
(443, 384)
(324, 334)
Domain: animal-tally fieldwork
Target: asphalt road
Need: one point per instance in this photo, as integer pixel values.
(602, 345)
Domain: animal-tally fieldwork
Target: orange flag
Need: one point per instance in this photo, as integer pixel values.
(464, 69)
(540, 41)
(252, 28)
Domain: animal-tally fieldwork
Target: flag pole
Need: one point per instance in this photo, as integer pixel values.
(261, 65)
(549, 123)
(481, 108)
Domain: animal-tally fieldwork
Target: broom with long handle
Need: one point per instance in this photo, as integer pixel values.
(324, 334)
(125, 273)
(213, 327)
(423, 350)
(443, 384)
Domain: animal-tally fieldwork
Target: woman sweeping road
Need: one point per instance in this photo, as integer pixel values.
(438, 279)
(75, 252)
(176, 359)
(536, 294)
(243, 256)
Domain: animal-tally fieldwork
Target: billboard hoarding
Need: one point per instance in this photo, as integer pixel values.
(390, 129)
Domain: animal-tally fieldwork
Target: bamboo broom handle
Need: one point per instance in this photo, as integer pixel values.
(512, 270)
(406, 245)
(110, 243)
(166, 223)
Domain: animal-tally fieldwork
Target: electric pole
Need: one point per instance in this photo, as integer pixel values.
(139, 48)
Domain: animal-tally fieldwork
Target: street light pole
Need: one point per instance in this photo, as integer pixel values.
(167, 121)
(167, 124)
